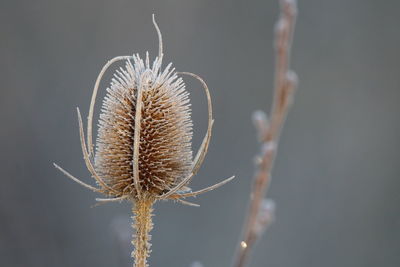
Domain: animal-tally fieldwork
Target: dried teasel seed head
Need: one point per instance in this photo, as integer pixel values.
(143, 149)
(165, 130)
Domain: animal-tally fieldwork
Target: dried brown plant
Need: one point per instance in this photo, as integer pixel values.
(143, 150)
(260, 211)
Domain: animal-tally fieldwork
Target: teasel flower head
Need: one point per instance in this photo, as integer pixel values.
(164, 130)
(143, 150)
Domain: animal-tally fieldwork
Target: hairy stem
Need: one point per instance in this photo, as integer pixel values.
(142, 224)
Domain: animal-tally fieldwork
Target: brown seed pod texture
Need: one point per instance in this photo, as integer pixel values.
(165, 154)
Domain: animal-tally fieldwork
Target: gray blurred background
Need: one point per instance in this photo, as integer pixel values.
(336, 179)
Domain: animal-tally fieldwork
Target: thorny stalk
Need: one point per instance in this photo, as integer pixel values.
(142, 225)
(268, 132)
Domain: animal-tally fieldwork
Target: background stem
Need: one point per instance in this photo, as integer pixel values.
(268, 132)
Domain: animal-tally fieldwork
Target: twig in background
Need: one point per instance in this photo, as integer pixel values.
(196, 264)
(121, 232)
(258, 216)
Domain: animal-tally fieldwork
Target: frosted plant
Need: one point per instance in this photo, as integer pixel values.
(143, 150)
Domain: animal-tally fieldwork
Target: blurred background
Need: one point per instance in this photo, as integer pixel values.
(336, 179)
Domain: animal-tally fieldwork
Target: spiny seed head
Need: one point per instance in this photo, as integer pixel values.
(143, 149)
(165, 131)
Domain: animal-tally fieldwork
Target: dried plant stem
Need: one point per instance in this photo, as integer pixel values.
(285, 83)
(142, 224)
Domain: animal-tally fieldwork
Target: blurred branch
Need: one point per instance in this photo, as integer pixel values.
(196, 264)
(260, 213)
(121, 230)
